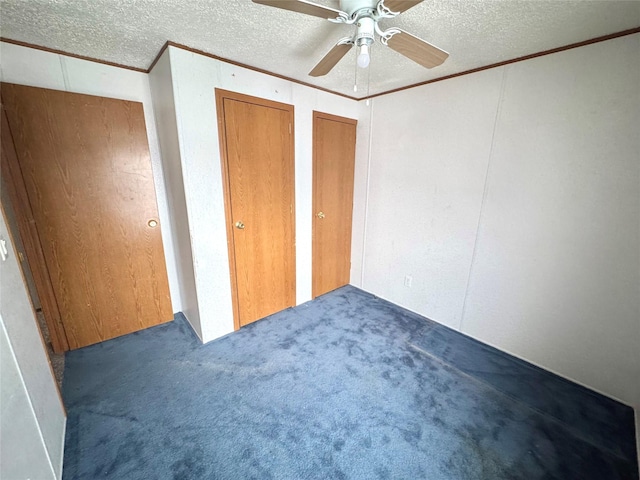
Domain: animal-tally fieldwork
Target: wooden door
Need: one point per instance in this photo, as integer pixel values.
(334, 147)
(86, 169)
(256, 142)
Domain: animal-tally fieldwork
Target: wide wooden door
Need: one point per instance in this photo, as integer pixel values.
(86, 169)
(334, 147)
(256, 141)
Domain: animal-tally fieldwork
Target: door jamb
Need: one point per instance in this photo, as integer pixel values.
(27, 229)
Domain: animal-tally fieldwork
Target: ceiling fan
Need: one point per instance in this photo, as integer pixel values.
(365, 15)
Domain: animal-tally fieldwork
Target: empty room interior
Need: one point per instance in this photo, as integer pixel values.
(291, 239)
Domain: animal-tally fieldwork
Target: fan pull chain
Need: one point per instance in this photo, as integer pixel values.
(355, 74)
(369, 73)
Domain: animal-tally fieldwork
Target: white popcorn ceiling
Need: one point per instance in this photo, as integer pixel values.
(474, 32)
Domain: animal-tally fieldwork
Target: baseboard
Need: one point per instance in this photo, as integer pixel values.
(58, 473)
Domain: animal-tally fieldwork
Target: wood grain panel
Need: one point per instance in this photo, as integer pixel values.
(331, 59)
(257, 156)
(86, 166)
(400, 6)
(416, 49)
(334, 146)
(308, 8)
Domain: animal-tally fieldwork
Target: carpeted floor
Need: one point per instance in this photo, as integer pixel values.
(347, 386)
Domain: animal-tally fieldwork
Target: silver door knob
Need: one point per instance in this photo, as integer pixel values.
(240, 225)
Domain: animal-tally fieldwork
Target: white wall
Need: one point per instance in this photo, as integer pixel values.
(23, 454)
(512, 196)
(195, 78)
(556, 275)
(27, 66)
(429, 155)
(32, 416)
(161, 85)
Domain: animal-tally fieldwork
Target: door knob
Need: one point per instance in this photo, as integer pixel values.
(152, 223)
(320, 214)
(240, 225)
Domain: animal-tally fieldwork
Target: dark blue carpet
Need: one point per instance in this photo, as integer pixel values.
(347, 386)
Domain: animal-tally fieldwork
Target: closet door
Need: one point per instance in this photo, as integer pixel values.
(256, 139)
(86, 168)
(334, 147)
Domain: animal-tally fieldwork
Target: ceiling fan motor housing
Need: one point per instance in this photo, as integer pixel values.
(352, 6)
(366, 31)
(363, 12)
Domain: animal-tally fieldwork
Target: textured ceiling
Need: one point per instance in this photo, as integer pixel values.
(475, 33)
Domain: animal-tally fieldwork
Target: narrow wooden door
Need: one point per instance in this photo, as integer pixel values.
(86, 167)
(334, 147)
(256, 141)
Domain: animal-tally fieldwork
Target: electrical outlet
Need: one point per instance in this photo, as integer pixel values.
(408, 280)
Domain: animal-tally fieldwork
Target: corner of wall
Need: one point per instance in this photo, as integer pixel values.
(162, 93)
(361, 191)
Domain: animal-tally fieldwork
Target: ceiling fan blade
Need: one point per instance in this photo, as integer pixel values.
(303, 6)
(399, 6)
(332, 58)
(416, 49)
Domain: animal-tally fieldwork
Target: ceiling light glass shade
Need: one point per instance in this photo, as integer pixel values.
(363, 56)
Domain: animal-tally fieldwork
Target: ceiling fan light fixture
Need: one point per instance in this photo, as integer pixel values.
(363, 56)
(365, 36)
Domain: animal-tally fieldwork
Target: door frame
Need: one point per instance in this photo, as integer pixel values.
(14, 181)
(317, 115)
(221, 95)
